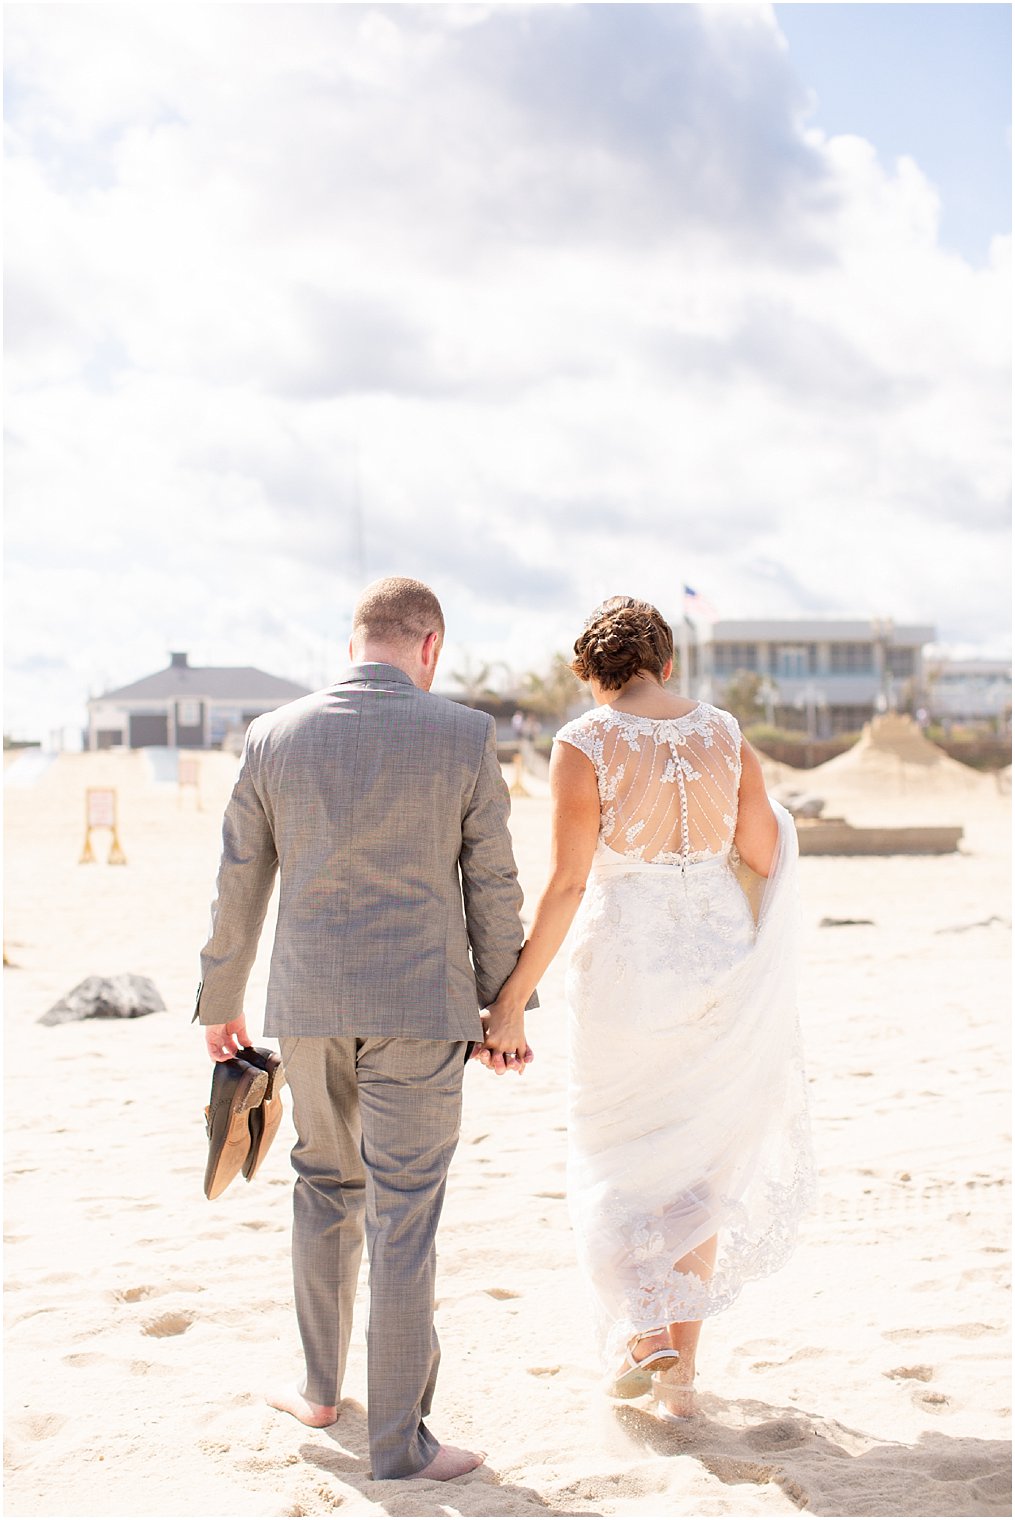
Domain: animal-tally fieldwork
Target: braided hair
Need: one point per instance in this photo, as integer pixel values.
(623, 637)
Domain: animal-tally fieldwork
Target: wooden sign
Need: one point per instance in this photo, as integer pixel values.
(100, 813)
(100, 807)
(190, 775)
(518, 787)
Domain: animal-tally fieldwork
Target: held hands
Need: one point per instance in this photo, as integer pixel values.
(504, 1046)
(224, 1040)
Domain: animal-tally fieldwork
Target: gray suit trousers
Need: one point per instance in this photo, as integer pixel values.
(377, 1122)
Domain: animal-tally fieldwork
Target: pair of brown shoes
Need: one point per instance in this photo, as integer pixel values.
(242, 1117)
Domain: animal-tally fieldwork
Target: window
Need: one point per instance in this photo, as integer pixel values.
(792, 661)
(222, 720)
(851, 659)
(733, 657)
(849, 720)
(902, 662)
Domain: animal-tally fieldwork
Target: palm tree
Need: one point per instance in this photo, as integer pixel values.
(742, 696)
(474, 680)
(554, 691)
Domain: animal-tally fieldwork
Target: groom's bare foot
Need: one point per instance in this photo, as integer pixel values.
(291, 1401)
(451, 1462)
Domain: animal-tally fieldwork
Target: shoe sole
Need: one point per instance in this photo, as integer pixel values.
(227, 1155)
(638, 1379)
(265, 1119)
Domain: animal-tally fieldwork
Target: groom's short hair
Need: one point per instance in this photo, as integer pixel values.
(397, 610)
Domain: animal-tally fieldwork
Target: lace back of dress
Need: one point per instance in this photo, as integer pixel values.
(669, 789)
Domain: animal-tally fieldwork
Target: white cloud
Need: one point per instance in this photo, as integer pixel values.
(568, 294)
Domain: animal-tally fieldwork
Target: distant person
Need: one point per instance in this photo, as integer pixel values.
(383, 808)
(689, 1159)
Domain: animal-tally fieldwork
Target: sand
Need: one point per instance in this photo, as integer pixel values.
(870, 1377)
(896, 776)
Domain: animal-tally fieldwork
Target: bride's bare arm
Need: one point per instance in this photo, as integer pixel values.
(574, 831)
(757, 829)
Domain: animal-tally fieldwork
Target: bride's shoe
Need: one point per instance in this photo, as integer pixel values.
(673, 1401)
(636, 1375)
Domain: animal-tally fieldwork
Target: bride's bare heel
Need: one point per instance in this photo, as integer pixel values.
(674, 1395)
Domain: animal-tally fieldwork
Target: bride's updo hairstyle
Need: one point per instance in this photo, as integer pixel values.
(622, 637)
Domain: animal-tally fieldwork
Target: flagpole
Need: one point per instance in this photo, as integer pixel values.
(685, 651)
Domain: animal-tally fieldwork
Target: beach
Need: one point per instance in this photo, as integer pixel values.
(869, 1377)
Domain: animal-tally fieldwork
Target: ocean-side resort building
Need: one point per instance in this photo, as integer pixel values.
(826, 676)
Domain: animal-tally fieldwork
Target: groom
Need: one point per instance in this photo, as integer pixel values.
(385, 811)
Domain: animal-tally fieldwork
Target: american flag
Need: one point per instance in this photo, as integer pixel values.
(696, 606)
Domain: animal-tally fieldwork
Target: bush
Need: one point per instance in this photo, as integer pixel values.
(795, 749)
(980, 751)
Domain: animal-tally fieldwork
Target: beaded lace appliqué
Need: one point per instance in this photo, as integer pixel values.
(667, 786)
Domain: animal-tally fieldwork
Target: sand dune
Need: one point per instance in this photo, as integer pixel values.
(895, 775)
(868, 1378)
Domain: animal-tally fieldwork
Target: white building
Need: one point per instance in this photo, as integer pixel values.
(192, 706)
(969, 691)
(821, 675)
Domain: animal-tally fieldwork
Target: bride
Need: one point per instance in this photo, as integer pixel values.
(688, 1157)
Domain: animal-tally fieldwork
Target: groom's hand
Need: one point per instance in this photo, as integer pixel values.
(504, 1047)
(224, 1040)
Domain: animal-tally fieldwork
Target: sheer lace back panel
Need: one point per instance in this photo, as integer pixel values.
(667, 786)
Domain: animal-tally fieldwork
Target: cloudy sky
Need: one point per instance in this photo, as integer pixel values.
(536, 302)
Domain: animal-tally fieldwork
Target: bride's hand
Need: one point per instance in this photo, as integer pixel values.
(504, 1046)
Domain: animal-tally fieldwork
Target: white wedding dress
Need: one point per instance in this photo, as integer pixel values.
(687, 1101)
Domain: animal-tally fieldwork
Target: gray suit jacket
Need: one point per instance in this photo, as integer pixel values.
(385, 812)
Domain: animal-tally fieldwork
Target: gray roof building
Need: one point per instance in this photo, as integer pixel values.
(190, 706)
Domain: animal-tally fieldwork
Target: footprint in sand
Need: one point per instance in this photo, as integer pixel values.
(542, 1371)
(84, 1358)
(134, 1295)
(38, 1427)
(168, 1324)
(501, 1293)
(775, 1435)
(935, 1403)
(736, 1470)
(549, 1195)
(966, 1332)
(805, 1353)
(153, 1290)
(919, 1374)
